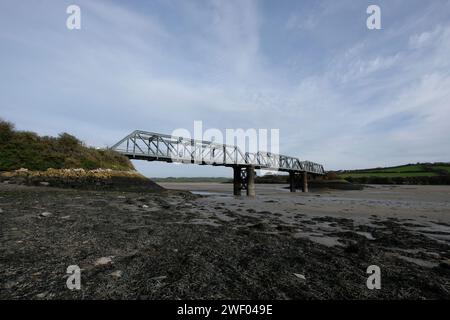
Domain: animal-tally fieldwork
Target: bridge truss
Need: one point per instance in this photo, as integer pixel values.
(161, 147)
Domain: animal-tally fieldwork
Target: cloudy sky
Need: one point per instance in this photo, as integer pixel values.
(341, 95)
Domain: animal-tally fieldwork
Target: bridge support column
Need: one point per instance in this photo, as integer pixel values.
(292, 181)
(251, 181)
(305, 182)
(237, 180)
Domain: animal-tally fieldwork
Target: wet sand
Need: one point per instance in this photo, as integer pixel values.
(175, 245)
(422, 210)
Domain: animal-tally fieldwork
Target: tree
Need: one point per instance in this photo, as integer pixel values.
(6, 131)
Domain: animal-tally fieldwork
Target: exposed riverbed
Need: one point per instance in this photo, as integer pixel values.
(174, 244)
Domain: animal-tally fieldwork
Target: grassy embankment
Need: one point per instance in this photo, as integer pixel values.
(24, 149)
(64, 161)
(420, 173)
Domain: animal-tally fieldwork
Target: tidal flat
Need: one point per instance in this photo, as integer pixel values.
(197, 241)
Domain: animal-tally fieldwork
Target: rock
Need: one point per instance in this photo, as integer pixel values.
(103, 261)
(445, 264)
(144, 206)
(45, 214)
(117, 274)
(300, 276)
(41, 295)
(44, 183)
(1, 211)
(65, 217)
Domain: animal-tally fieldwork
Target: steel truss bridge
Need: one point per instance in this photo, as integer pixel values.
(152, 146)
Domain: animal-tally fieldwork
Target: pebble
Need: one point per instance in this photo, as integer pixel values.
(1, 210)
(103, 261)
(117, 274)
(44, 183)
(300, 276)
(144, 206)
(46, 214)
(41, 295)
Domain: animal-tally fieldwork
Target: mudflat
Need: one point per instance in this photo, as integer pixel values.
(212, 245)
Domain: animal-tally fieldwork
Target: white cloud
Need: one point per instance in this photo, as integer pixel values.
(128, 69)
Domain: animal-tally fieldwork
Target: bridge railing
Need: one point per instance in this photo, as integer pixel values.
(162, 147)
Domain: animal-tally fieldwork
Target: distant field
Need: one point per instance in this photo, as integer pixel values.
(412, 170)
(445, 168)
(388, 174)
(407, 168)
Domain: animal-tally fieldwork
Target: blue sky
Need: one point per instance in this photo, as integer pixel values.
(341, 95)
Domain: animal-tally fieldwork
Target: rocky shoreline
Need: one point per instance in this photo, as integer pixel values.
(97, 179)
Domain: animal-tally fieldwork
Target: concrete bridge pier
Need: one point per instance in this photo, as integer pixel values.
(305, 182)
(244, 178)
(237, 180)
(292, 181)
(298, 180)
(251, 181)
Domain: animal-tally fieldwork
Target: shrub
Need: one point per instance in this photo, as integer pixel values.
(22, 149)
(6, 131)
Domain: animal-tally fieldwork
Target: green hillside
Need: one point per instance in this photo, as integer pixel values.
(420, 173)
(23, 149)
